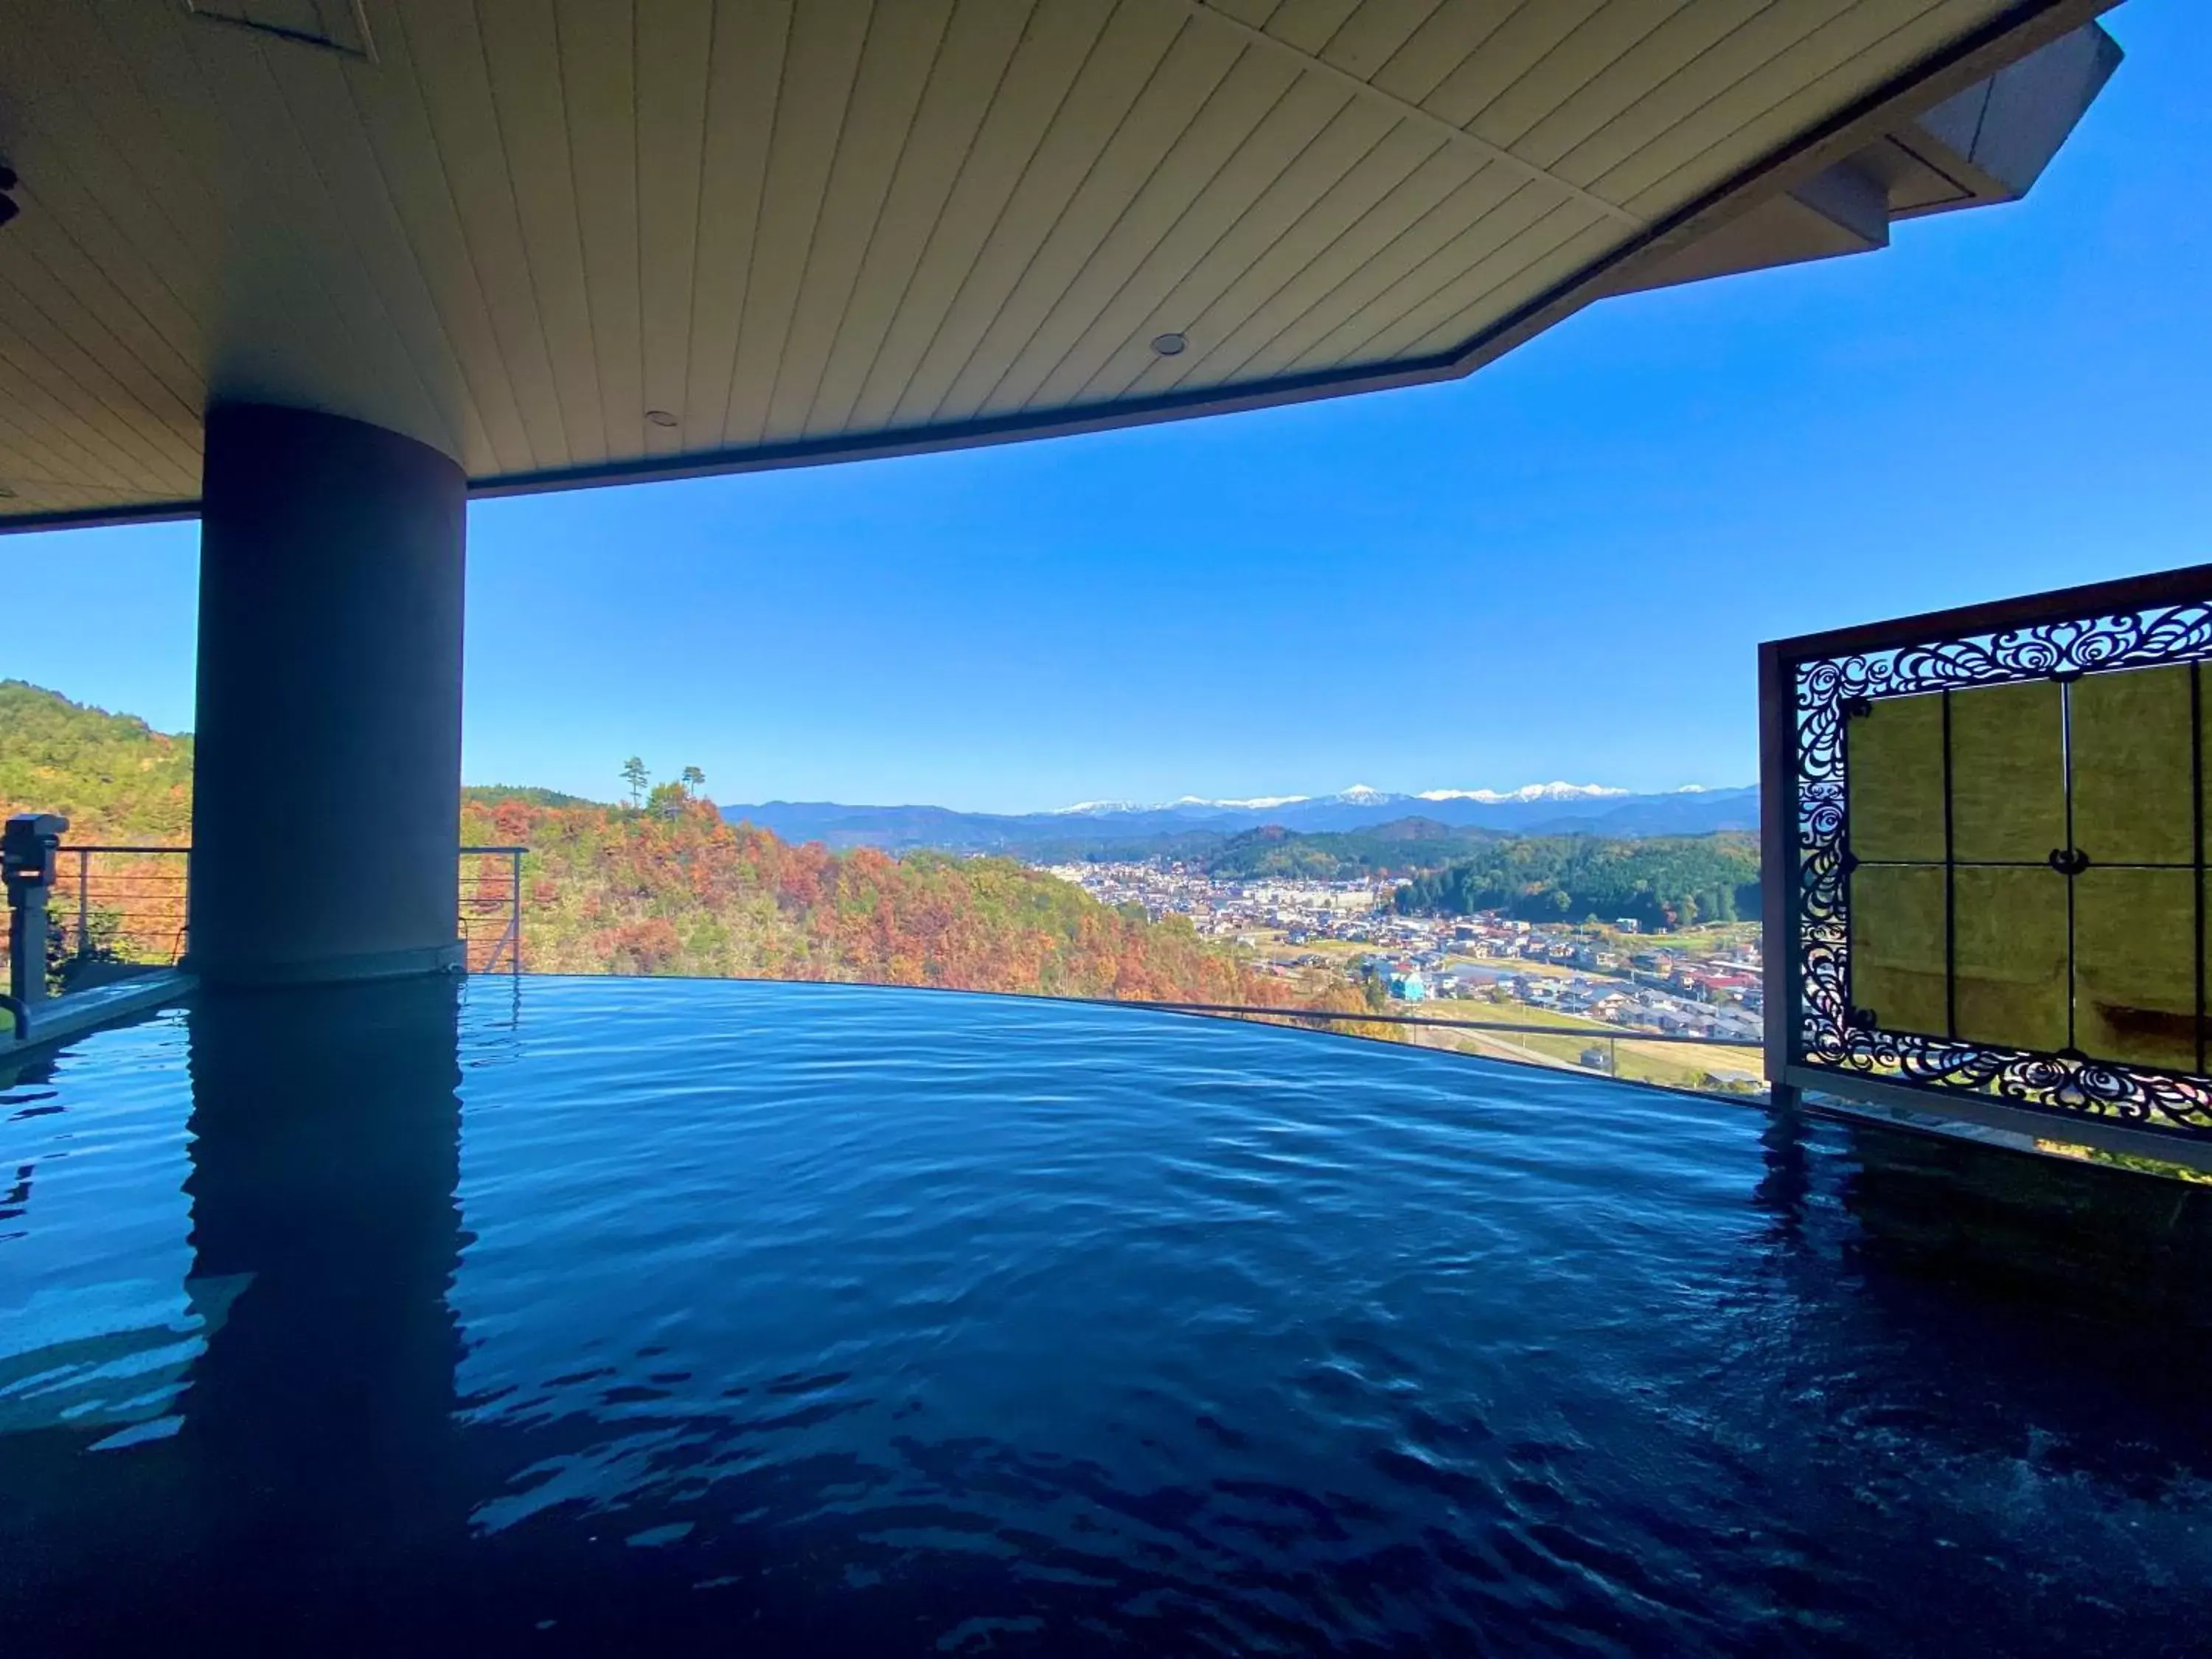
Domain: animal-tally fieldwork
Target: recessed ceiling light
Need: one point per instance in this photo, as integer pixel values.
(1169, 345)
(659, 417)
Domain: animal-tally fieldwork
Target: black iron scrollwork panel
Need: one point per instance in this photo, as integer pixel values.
(1835, 1035)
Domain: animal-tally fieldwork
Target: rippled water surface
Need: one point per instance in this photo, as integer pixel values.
(663, 1316)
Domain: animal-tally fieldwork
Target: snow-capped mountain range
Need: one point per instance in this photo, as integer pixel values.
(1361, 794)
(1531, 809)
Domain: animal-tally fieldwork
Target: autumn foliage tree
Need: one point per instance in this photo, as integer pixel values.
(686, 892)
(117, 781)
(675, 888)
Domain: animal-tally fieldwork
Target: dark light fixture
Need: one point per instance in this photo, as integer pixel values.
(659, 417)
(1169, 345)
(8, 208)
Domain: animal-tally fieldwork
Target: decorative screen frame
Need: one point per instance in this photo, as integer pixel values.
(1809, 688)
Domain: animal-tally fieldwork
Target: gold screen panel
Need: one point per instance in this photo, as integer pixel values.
(2001, 880)
(1898, 957)
(2010, 987)
(2007, 773)
(1894, 779)
(2205, 752)
(2135, 966)
(2132, 758)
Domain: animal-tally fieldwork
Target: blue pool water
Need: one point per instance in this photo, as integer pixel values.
(668, 1316)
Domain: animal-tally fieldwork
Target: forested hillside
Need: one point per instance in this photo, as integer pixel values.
(491, 795)
(617, 889)
(1399, 847)
(1671, 881)
(112, 775)
(1662, 881)
(671, 889)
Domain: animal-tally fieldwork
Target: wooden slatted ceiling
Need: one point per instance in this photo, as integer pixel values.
(525, 224)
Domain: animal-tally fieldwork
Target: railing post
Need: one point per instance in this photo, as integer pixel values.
(27, 860)
(83, 901)
(476, 893)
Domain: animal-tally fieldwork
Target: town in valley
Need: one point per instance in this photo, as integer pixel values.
(1609, 979)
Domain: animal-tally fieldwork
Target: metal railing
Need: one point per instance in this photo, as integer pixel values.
(491, 908)
(121, 904)
(127, 906)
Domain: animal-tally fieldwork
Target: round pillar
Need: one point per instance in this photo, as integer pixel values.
(326, 773)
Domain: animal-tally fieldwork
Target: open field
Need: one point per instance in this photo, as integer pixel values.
(1681, 1065)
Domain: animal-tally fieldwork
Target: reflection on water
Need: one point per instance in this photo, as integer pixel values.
(709, 1318)
(287, 1389)
(325, 1159)
(2053, 1230)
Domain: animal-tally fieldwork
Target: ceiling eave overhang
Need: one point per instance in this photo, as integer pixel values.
(2024, 29)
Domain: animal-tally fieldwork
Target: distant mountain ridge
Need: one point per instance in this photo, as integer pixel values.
(1360, 795)
(1104, 827)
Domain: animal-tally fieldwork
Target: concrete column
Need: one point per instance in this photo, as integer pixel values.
(326, 776)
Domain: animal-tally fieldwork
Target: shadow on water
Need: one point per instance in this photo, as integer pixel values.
(310, 1460)
(2067, 1234)
(2053, 1314)
(1785, 1181)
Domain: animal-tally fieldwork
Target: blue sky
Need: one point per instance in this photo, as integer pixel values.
(1559, 568)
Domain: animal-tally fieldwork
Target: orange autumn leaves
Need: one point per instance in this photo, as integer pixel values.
(609, 889)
